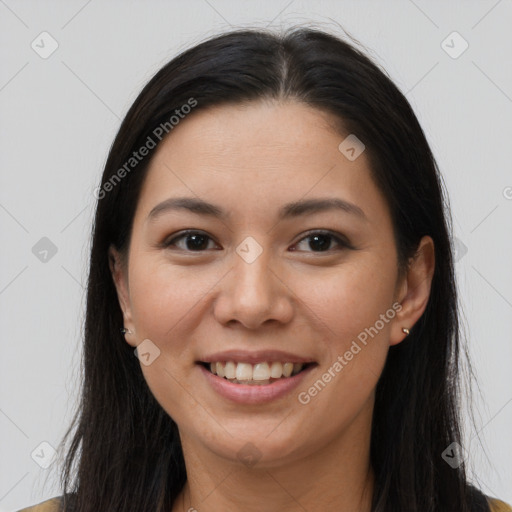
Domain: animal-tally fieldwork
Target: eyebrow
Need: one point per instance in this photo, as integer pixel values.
(290, 210)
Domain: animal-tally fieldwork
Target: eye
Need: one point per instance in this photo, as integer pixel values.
(195, 241)
(320, 241)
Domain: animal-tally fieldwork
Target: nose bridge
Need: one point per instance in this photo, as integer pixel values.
(253, 294)
(252, 278)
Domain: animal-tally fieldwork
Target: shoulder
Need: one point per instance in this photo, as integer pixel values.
(51, 505)
(499, 506)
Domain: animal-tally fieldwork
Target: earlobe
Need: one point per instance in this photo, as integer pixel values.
(415, 290)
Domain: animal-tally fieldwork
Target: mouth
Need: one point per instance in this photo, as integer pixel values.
(259, 374)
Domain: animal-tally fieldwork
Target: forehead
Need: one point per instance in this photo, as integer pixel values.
(257, 156)
(248, 135)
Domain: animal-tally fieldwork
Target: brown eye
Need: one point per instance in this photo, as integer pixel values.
(322, 241)
(194, 241)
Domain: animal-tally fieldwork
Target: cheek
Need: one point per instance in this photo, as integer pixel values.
(166, 301)
(165, 298)
(350, 298)
(349, 304)
(354, 305)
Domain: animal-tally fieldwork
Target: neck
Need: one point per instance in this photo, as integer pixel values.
(336, 477)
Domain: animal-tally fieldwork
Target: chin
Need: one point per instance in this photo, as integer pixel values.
(256, 448)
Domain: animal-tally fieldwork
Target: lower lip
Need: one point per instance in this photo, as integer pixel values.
(256, 394)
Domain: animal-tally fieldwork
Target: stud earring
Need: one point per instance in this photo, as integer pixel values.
(126, 331)
(406, 331)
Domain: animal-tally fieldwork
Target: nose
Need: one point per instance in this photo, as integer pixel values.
(253, 294)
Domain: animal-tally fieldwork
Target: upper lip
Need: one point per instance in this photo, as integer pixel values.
(253, 357)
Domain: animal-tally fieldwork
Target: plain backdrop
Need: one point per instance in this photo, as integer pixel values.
(61, 110)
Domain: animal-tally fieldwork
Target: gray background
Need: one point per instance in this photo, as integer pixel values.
(59, 115)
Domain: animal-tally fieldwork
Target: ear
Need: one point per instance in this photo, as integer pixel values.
(414, 289)
(120, 277)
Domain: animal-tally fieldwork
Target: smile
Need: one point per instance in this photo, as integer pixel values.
(255, 385)
(254, 374)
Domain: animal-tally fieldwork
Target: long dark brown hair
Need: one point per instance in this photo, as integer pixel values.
(122, 450)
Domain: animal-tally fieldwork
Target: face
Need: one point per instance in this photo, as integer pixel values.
(267, 275)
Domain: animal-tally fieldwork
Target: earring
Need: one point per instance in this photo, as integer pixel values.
(126, 331)
(406, 331)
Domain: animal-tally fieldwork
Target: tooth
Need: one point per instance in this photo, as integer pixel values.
(230, 370)
(297, 367)
(220, 369)
(244, 371)
(261, 371)
(287, 369)
(260, 382)
(276, 370)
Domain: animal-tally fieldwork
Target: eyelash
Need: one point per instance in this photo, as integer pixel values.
(341, 241)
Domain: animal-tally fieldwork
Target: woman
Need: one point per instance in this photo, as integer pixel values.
(271, 243)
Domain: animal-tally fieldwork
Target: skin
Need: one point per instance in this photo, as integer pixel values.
(250, 160)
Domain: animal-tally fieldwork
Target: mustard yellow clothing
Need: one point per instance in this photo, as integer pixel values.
(52, 505)
(499, 506)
